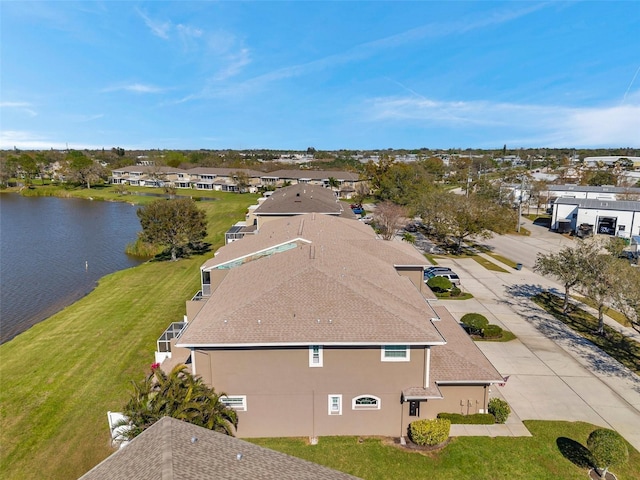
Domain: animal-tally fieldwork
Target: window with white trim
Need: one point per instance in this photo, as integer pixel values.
(237, 402)
(395, 353)
(335, 404)
(315, 356)
(365, 402)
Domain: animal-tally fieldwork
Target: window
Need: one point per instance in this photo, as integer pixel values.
(237, 402)
(365, 402)
(395, 353)
(335, 404)
(315, 356)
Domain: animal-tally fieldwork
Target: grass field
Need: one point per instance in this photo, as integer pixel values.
(557, 450)
(59, 378)
(622, 348)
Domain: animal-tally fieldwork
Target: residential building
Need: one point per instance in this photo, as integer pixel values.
(177, 450)
(289, 201)
(315, 326)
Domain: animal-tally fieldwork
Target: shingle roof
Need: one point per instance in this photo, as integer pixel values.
(223, 171)
(460, 359)
(337, 285)
(175, 450)
(302, 198)
(316, 175)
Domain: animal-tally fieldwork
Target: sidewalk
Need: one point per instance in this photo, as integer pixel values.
(513, 427)
(554, 373)
(626, 331)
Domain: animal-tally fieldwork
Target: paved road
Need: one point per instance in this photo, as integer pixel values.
(553, 373)
(524, 249)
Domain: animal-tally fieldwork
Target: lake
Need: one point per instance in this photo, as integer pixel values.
(54, 250)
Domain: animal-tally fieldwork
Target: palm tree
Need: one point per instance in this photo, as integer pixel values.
(180, 395)
(333, 183)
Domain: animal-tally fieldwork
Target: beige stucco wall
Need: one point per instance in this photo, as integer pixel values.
(286, 397)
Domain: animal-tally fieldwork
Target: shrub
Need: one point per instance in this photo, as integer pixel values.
(455, 291)
(439, 284)
(607, 448)
(499, 409)
(492, 331)
(429, 431)
(475, 322)
(475, 419)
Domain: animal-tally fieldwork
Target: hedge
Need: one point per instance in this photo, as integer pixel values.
(492, 331)
(429, 432)
(439, 284)
(499, 409)
(475, 322)
(474, 419)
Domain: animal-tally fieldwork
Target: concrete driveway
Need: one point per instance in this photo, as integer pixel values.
(553, 373)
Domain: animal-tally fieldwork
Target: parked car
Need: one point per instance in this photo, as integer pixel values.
(453, 277)
(435, 270)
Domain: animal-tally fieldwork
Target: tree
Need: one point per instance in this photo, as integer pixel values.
(599, 282)
(456, 217)
(626, 295)
(607, 448)
(388, 218)
(180, 395)
(334, 184)
(601, 177)
(176, 224)
(82, 169)
(243, 181)
(567, 265)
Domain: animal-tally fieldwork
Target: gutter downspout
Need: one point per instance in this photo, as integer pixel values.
(427, 367)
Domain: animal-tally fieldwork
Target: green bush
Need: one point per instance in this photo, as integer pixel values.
(492, 331)
(475, 419)
(607, 448)
(455, 291)
(474, 322)
(499, 409)
(439, 284)
(429, 431)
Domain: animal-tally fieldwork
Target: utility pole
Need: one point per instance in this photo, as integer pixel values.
(520, 203)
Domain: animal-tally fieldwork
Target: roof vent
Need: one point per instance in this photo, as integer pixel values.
(238, 456)
(194, 439)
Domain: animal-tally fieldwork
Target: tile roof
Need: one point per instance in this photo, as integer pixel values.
(175, 450)
(337, 285)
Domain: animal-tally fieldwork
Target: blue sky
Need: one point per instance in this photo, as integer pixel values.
(329, 75)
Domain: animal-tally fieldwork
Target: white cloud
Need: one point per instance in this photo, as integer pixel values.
(158, 28)
(236, 62)
(135, 88)
(24, 107)
(371, 48)
(189, 31)
(33, 141)
(524, 124)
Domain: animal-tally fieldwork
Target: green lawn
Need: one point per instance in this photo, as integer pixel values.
(489, 265)
(622, 348)
(557, 450)
(59, 378)
(614, 314)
